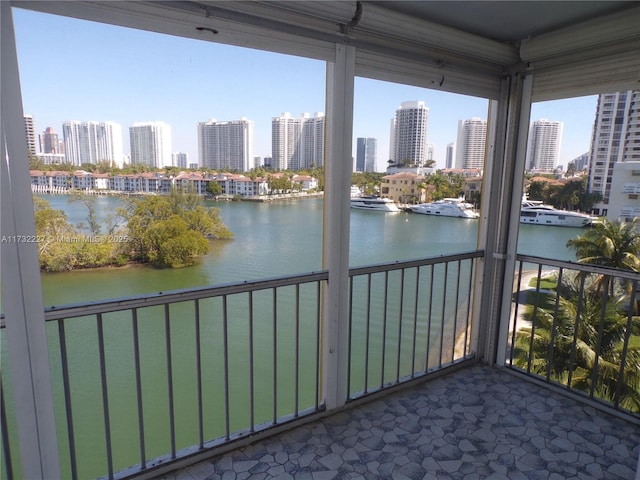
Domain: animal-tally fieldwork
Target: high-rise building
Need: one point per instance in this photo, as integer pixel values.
(366, 154)
(545, 138)
(226, 145)
(30, 132)
(616, 138)
(410, 134)
(150, 144)
(451, 147)
(581, 162)
(179, 159)
(297, 143)
(471, 142)
(92, 142)
(49, 141)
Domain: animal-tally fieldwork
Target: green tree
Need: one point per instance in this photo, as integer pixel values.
(214, 188)
(172, 230)
(537, 191)
(89, 202)
(610, 244)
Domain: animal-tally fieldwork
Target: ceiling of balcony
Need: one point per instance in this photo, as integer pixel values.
(510, 21)
(571, 47)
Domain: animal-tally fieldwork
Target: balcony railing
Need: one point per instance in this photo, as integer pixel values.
(408, 318)
(577, 326)
(145, 381)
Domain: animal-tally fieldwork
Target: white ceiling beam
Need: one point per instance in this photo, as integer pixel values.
(615, 31)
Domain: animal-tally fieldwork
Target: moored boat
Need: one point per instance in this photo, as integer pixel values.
(369, 202)
(536, 213)
(447, 207)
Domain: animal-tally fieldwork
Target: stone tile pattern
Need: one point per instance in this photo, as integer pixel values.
(475, 423)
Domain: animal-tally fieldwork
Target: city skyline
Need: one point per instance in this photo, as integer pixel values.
(126, 76)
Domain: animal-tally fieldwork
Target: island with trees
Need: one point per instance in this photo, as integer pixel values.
(161, 230)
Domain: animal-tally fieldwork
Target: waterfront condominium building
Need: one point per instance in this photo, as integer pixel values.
(50, 141)
(545, 138)
(470, 143)
(150, 144)
(180, 159)
(31, 134)
(615, 138)
(451, 148)
(92, 142)
(297, 143)
(366, 154)
(226, 145)
(409, 134)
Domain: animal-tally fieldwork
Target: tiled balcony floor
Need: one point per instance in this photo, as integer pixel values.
(477, 422)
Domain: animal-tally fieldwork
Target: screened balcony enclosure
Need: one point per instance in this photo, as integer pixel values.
(317, 350)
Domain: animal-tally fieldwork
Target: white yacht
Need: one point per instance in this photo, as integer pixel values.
(536, 213)
(447, 207)
(368, 202)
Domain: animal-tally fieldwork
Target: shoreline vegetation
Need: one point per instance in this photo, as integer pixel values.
(165, 231)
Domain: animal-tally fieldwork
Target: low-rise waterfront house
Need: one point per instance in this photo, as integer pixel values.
(306, 182)
(404, 187)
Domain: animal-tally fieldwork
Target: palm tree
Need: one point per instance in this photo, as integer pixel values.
(610, 244)
(597, 345)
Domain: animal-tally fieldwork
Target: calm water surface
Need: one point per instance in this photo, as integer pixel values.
(285, 238)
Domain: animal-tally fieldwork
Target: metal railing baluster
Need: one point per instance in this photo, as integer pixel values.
(367, 335)
(554, 326)
(139, 404)
(252, 406)
(455, 315)
(426, 363)
(67, 398)
(603, 312)
(444, 310)
(275, 356)
(415, 323)
(196, 306)
(296, 408)
(534, 318)
(515, 315)
(172, 419)
(625, 345)
(385, 303)
(400, 315)
(225, 348)
(469, 300)
(105, 395)
(583, 277)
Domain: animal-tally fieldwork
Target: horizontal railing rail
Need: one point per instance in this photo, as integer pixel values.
(578, 326)
(407, 319)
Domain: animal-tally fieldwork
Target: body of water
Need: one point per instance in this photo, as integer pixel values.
(275, 239)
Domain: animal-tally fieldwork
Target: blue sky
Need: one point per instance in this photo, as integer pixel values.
(78, 70)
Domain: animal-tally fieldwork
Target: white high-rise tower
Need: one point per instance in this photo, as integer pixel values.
(545, 138)
(151, 144)
(226, 145)
(297, 143)
(409, 138)
(92, 142)
(616, 138)
(470, 145)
